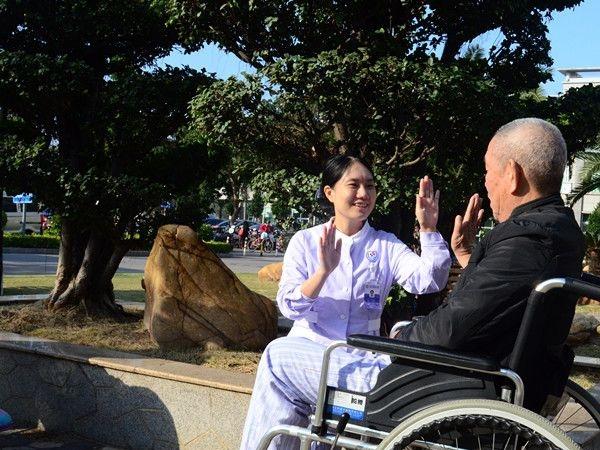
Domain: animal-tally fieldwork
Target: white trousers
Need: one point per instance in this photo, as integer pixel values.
(285, 390)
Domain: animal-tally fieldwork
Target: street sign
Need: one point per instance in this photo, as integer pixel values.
(23, 198)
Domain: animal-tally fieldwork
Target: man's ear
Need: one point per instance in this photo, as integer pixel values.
(329, 194)
(515, 175)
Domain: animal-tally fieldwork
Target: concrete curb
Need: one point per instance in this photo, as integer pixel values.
(586, 361)
(121, 399)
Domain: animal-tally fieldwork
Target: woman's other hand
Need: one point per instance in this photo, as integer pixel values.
(427, 205)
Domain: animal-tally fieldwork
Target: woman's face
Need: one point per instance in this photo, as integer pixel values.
(353, 195)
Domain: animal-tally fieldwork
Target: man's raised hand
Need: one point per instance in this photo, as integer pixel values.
(465, 230)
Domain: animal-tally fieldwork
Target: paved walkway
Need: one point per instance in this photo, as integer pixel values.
(32, 439)
(45, 264)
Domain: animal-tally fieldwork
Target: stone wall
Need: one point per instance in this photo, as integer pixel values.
(121, 399)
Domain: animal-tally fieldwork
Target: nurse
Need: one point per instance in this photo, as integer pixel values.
(336, 277)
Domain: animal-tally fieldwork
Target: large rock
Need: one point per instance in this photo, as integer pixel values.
(583, 322)
(271, 272)
(193, 299)
(588, 301)
(578, 338)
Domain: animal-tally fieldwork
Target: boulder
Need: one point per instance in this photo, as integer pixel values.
(583, 322)
(271, 272)
(193, 299)
(578, 338)
(587, 301)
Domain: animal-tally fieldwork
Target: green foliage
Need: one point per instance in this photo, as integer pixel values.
(4, 219)
(398, 295)
(256, 205)
(388, 82)
(205, 232)
(98, 127)
(55, 226)
(593, 225)
(219, 247)
(287, 189)
(20, 240)
(591, 175)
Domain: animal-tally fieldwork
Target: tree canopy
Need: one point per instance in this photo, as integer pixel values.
(395, 82)
(96, 129)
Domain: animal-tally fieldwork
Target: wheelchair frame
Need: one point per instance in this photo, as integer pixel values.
(318, 428)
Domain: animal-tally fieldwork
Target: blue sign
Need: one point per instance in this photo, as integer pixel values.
(23, 198)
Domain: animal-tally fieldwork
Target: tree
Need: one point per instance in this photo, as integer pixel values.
(393, 82)
(99, 130)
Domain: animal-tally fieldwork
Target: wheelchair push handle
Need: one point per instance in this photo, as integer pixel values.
(583, 288)
(570, 285)
(588, 286)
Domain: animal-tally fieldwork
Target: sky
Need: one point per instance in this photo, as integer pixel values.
(573, 35)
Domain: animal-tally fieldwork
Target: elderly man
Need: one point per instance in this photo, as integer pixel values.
(537, 238)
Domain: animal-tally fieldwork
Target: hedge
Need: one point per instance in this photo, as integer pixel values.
(19, 240)
(30, 240)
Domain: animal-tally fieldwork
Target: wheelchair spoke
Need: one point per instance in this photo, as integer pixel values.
(556, 422)
(516, 442)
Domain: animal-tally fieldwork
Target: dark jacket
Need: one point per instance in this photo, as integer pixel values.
(540, 240)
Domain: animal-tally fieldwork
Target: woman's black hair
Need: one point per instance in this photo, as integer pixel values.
(335, 167)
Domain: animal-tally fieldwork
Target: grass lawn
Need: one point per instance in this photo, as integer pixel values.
(127, 285)
(32, 320)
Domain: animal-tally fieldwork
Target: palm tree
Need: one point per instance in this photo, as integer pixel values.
(591, 176)
(590, 181)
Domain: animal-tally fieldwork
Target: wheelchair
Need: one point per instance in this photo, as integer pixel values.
(436, 399)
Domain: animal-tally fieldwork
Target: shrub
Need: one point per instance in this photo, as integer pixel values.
(205, 232)
(219, 247)
(20, 240)
(30, 240)
(593, 225)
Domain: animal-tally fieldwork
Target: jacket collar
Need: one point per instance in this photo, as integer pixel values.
(553, 199)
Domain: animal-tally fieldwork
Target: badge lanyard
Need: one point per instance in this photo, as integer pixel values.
(372, 288)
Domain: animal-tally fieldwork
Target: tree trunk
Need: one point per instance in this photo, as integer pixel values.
(87, 263)
(340, 133)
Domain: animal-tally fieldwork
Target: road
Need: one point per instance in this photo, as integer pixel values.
(39, 264)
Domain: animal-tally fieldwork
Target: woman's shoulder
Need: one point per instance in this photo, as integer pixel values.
(308, 234)
(384, 236)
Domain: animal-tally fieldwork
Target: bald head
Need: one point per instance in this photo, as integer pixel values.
(538, 147)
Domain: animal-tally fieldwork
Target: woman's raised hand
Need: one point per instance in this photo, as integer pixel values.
(427, 205)
(329, 250)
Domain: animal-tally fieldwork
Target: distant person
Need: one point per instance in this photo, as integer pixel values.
(243, 233)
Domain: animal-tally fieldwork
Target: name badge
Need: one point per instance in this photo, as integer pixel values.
(372, 295)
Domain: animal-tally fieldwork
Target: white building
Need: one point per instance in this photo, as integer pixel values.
(575, 78)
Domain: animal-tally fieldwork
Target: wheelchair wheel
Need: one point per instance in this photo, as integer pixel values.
(477, 424)
(579, 416)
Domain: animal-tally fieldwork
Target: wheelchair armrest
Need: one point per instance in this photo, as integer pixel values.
(425, 353)
(590, 278)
